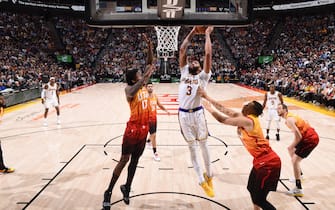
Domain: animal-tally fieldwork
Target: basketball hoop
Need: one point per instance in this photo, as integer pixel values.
(167, 41)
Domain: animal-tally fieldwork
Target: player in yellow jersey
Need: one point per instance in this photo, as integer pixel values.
(154, 102)
(305, 140)
(265, 173)
(134, 137)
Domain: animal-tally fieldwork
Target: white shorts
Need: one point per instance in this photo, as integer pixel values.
(50, 103)
(193, 125)
(273, 115)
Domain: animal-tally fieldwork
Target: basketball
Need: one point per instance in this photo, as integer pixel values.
(200, 29)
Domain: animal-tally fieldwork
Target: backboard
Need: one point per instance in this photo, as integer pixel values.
(138, 13)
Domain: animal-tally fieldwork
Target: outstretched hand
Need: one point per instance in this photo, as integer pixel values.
(150, 69)
(209, 29)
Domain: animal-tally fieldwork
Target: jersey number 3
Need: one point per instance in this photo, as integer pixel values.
(189, 90)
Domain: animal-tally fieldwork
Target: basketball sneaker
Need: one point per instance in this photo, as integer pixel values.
(106, 204)
(125, 193)
(296, 192)
(156, 157)
(7, 170)
(209, 180)
(209, 191)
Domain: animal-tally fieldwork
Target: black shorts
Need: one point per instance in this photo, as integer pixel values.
(264, 179)
(152, 127)
(134, 139)
(134, 149)
(307, 144)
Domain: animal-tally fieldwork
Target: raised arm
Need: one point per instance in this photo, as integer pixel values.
(183, 48)
(208, 50)
(150, 55)
(149, 69)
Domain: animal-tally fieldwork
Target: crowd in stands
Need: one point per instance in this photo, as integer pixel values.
(28, 53)
(303, 63)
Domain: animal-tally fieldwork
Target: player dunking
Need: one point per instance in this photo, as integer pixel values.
(305, 140)
(191, 114)
(154, 102)
(265, 173)
(134, 137)
(50, 97)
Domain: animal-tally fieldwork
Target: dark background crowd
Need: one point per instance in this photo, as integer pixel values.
(296, 53)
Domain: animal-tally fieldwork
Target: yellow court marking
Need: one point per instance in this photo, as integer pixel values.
(29, 103)
(21, 106)
(310, 106)
(298, 103)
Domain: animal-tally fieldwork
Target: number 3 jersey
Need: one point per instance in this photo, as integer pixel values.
(188, 97)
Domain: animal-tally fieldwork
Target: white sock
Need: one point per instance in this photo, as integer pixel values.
(193, 147)
(206, 157)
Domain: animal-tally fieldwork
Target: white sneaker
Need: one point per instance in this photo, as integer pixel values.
(45, 123)
(58, 122)
(296, 192)
(156, 157)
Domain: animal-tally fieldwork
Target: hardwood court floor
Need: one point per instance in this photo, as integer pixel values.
(64, 167)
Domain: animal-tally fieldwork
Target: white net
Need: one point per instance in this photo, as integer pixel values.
(167, 41)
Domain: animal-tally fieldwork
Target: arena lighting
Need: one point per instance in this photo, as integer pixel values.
(303, 5)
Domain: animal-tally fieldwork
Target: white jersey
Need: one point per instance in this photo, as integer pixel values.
(187, 95)
(50, 93)
(272, 100)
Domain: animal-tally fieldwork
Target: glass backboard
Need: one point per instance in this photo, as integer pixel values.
(168, 12)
